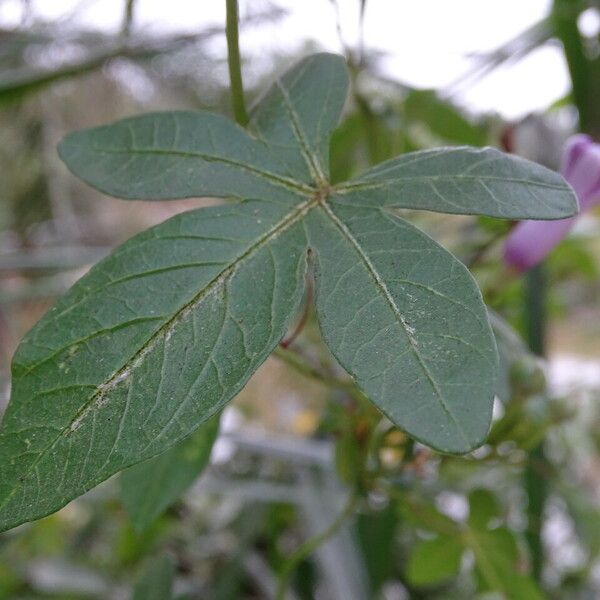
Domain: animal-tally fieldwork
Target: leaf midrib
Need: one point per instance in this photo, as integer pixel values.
(312, 161)
(366, 185)
(380, 284)
(485, 564)
(122, 373)
(288, 183)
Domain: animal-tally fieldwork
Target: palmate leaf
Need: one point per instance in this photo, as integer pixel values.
(162, 333)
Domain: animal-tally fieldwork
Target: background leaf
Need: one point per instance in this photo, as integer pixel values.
(150, 487)
(511, 349)
(425, 516)
(442, 118)
(434, 561)
(496, 560)
(483, 507)
(156, 580)
(377, 534)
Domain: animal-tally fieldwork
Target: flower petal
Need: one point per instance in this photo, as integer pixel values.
(575, 146)
(530, 241)
(581, 168)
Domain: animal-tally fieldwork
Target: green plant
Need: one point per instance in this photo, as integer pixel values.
(160, 335)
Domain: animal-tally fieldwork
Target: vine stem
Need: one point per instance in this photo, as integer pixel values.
(297, 362)
(127, 19)
(310, 545)
(235, 64)
(308, 297)
(480, 252)
(536, 485)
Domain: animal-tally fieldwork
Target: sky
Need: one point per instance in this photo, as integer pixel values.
(427, 43)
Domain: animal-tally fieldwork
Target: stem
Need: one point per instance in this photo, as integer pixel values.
(536, 486)
(234, 63)
(483, 249)
(295, 361)
(338, 26)
(127, 19)
(536, 489)
(581, 69)
(485, 566)
(361, 32)
(310, 545)
(535, 309)
(303, 317)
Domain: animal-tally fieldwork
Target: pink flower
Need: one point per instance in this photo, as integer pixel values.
(531, 241)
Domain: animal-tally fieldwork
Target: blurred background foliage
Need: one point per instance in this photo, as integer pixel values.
(506, 521)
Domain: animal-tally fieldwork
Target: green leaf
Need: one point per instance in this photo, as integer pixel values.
(483, 507)
(147, 346)
(150, 487)
(345, 147)
(496, 561)
(172, 155)
(426, 516)
(156, 580)
(298, 114)
(376, 531)
(511, 349)
(583, 509)
(443, 118)
(463, 180)
(406, 320)
(434, 561)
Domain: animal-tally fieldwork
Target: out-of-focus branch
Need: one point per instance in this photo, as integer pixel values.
(583, 70)
(312, 544)
(15, 85)
(297, 362)
(127, 18)
(514, 50)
